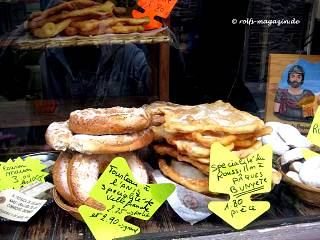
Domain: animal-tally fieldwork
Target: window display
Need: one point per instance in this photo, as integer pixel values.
(130, 109)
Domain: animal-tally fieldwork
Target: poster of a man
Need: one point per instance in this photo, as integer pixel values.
(294, 102)
(293, 89)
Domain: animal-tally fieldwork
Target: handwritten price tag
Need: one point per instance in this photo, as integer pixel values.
(19, 173)
(152, 8)
(240, 178)
(122, 196)
(314, 131)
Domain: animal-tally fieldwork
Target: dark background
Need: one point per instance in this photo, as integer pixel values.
(220, 58)
(210, 59)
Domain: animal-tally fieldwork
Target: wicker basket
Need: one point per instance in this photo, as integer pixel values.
(28, 42)
(306, 193)
(72, 210)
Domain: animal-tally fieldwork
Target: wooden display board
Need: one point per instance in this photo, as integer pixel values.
(280, 105)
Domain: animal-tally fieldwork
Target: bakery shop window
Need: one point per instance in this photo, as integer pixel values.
(110, 71)
(43, 85)
(50, 69)
(82, 78)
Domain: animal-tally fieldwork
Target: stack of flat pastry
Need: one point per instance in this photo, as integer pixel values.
(85, 18)
(186, 134)
(89, 141)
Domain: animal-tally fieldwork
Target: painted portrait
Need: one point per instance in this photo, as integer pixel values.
(293, 91)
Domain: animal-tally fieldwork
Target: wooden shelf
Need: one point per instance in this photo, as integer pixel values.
(24, 113)
(28, 41)
(285, 214)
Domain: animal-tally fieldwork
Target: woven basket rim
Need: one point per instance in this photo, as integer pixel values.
(30, 42)
(61, 204)
(295, 183)
(298, 184)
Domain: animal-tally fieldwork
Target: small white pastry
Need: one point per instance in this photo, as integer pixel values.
(292, 155)
(294, 176)
(278, 145)
(295, 166)
(292, 136)
(310, 171)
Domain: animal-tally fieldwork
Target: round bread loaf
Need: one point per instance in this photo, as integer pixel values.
(60, 180)
(58, 135)
(91, 144)
(83, 173)
(115, 120)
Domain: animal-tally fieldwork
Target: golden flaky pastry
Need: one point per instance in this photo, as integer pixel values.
(208, 139)
(266, 130)
(193, 149)
(167, 150)
(217, 117)
(276, 176)
(156, 107)
(242, 153)
(197, 137)
(185, 175)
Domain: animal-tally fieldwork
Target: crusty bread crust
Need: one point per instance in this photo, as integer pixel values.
(115, 120)
(60, 180)
(90, 144)
(83, 173)
(58, 135)
(84, 170)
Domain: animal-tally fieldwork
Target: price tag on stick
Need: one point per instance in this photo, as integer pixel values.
(122, 196)
(240, 178)
(152, 8)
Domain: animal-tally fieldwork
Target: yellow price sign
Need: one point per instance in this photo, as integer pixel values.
(314, 131)
(19, 173)
(240, 178)
(307, 154)
(122, 196)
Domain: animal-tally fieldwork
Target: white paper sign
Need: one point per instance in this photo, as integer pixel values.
(17, 206)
